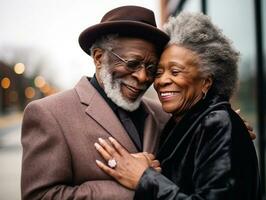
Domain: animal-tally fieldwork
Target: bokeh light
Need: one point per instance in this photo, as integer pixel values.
(5, 83)
(45, 89)
(19, 68)
(39, 82)
(29, 92)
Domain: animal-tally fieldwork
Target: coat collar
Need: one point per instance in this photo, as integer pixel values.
(97, 108)
(185, 128)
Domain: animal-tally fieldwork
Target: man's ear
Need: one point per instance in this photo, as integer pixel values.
(97, 55)
(207, 84)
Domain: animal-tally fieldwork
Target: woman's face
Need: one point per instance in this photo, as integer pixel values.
(178, 82)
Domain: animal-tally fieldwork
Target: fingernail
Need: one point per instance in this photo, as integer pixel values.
(98, 162)
(111, 139)
(100, 140)
(97, 146)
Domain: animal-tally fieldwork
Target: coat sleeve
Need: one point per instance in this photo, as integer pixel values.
(211, 178)
(46, 163)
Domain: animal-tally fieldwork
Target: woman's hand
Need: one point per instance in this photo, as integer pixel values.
(128, 167)
(155, 164)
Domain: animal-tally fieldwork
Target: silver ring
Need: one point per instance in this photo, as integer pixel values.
(112, 163)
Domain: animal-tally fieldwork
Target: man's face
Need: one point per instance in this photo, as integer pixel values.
(122, 83)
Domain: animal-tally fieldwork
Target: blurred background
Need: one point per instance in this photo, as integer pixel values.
(40, 55)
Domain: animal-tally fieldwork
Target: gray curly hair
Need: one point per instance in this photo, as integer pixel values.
(217, 56)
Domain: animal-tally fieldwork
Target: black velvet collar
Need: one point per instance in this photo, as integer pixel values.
(174, 133)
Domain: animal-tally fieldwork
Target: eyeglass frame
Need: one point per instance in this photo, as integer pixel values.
(139, 66)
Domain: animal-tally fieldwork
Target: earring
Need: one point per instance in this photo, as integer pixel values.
(204, 94)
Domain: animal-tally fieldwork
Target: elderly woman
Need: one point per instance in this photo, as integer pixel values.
(205, 150)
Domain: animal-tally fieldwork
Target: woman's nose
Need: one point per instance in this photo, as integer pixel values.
(164, 79)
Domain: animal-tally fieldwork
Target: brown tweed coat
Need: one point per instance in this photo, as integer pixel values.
(58, 136)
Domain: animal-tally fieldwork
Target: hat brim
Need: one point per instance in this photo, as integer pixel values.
(123, 28)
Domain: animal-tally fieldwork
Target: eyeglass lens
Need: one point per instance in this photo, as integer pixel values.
(135, 65)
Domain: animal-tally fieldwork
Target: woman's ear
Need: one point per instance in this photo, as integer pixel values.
(97, 55)
(207, 83)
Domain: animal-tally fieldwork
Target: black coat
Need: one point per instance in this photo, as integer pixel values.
(208, 155)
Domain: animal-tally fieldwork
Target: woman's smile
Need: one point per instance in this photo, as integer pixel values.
(168, 95)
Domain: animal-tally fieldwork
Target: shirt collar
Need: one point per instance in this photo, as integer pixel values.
(101, 91)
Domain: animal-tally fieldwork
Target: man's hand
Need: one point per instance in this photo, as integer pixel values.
(249, 127)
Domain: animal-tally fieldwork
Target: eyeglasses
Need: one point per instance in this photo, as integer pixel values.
(134, 65)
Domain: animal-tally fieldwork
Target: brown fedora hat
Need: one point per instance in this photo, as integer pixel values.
(130, 21)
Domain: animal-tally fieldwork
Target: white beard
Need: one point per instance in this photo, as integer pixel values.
(112, 88)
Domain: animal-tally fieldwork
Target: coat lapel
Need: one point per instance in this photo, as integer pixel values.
(98, 109)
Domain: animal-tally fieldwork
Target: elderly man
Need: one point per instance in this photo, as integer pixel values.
(59, 131)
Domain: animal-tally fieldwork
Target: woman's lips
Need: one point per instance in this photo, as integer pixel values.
(168, 95)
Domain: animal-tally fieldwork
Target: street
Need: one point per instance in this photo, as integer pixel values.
(10, 156)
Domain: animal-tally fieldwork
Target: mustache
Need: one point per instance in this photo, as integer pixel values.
(135, 84)
(130, 82)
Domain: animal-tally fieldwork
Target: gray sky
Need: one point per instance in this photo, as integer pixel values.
(47, 31)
